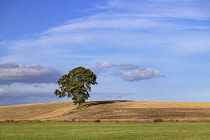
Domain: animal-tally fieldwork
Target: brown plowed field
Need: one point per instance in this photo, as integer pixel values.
(108, 110)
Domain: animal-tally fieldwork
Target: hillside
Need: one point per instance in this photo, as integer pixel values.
(108, 110)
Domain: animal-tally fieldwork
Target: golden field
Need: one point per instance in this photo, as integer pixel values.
(108, 110)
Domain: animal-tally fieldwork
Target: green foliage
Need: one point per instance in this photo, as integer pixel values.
(76, 84)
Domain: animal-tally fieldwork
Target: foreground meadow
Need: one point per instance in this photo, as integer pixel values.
(103, 131)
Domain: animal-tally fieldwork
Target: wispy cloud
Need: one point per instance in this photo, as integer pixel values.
(12, 73)
(190, 9)
(121, 24)
(127, 66)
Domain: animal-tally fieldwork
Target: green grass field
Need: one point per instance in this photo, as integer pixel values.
(103, 131)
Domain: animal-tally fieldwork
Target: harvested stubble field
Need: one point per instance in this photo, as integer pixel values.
(109, 110)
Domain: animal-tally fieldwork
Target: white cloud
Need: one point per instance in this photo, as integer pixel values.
(12, 73)
(105, 64)
(99, 67)
(134, 75)
(141, 74)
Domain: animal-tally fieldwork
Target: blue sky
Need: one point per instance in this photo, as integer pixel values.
(141, 50)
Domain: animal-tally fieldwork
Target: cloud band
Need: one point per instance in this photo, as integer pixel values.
(13, 73)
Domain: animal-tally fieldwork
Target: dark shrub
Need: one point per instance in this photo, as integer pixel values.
(158, 120)
(97, 121)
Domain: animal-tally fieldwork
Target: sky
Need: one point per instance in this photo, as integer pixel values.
(141, 50)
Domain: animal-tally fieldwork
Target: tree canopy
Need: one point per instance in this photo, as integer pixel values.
(76, 84)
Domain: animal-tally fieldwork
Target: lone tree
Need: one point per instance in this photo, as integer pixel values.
(76, 84)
